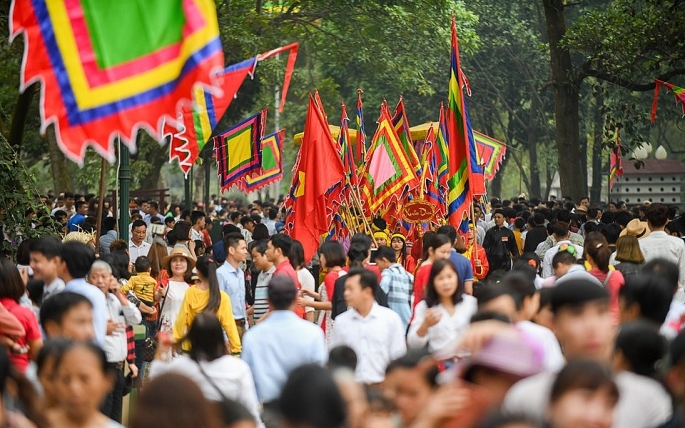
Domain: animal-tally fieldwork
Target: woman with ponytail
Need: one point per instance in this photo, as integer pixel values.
(206, 296)
(597, 254)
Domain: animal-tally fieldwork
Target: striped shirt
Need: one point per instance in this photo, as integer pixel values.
(398, 284)
(261, 294)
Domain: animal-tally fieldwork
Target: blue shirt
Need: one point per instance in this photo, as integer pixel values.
(463, 267)
(278, 345)
(75, 221)
(232, 282)
(398, 284)
(98, 300)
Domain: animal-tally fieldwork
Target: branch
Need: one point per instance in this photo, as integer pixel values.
(586, 71)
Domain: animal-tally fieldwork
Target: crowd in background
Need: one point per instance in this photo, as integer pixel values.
(536, 314)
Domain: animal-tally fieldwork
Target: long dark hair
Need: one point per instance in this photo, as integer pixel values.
(206, 337)
(119, 261)
(403, 252)
(206, 266)
(431, 295)
(181, 231)
(11, 284)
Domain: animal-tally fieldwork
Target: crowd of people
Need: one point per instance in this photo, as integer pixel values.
(554, 314)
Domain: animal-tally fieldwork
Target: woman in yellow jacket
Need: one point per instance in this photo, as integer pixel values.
(206, 296)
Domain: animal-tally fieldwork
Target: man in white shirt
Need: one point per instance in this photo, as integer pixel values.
(374, 332)
(45, 255)
(562, 235)
(660, 245)
(137, 246)
(120, 313)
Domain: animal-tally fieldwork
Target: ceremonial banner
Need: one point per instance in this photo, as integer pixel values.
(460, 194)
(677, 91)
(346, 150)
(476, 173)
(615, 167)
(317, 183)
(389, 173)
(271, 170)
(237, 151)
(491, 151)
(195, 124)
(401, 124)
(430, 182)
(360, 148)
(108, 69)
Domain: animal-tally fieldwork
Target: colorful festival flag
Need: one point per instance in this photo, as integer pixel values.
(677, 91)
(346, 149)
(108, 69)
(271, 168)
(360, 147)
(429, 181)
(401, 124)
(237, 151)
(195, 124)
(442, 153)
(317, 182)
(615, 167)
(492, 153)
(476, 172)
(388, 172)
(459, 143)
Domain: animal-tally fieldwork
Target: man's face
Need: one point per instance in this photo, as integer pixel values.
(145, 207)
(260, 261)
(499, 220)
(138, 234)
(77, 324)
(239, 252)
(477, 212)
(69, 202)
(585, 202)
(354, 295)
(43, 268)
(271, 253)
(383, 263)
(249, 226)
(99, 278)
(201, 223)
(83, 209)
(586, 331)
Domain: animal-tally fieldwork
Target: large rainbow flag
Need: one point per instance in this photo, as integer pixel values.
(110, 68)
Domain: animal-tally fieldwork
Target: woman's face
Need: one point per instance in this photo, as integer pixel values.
(81, 384)
(179, 266)
(582, 408)
(442, 252)
(397, 244)
(382, 242)
(445, 282)
(322, 260)
(47, 379)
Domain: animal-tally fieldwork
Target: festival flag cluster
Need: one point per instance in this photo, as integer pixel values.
(195, 124)
(677, 91)
(101, 80)
(615, 167)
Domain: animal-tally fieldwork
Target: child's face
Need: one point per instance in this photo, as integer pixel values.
(77, 324)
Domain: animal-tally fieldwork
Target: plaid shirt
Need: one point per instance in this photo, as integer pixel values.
(130, 345)
(398, 284)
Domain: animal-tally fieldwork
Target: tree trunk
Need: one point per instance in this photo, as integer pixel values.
(496, 183)
(565, 104)
(596, 190)
(533, 150)
(19, 116)
(58, 163)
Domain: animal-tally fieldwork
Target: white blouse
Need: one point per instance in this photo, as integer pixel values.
(442, 338)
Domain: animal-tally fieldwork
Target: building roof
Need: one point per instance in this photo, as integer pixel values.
(653, 166)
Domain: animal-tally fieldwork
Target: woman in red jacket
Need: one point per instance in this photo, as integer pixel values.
(399, 244)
